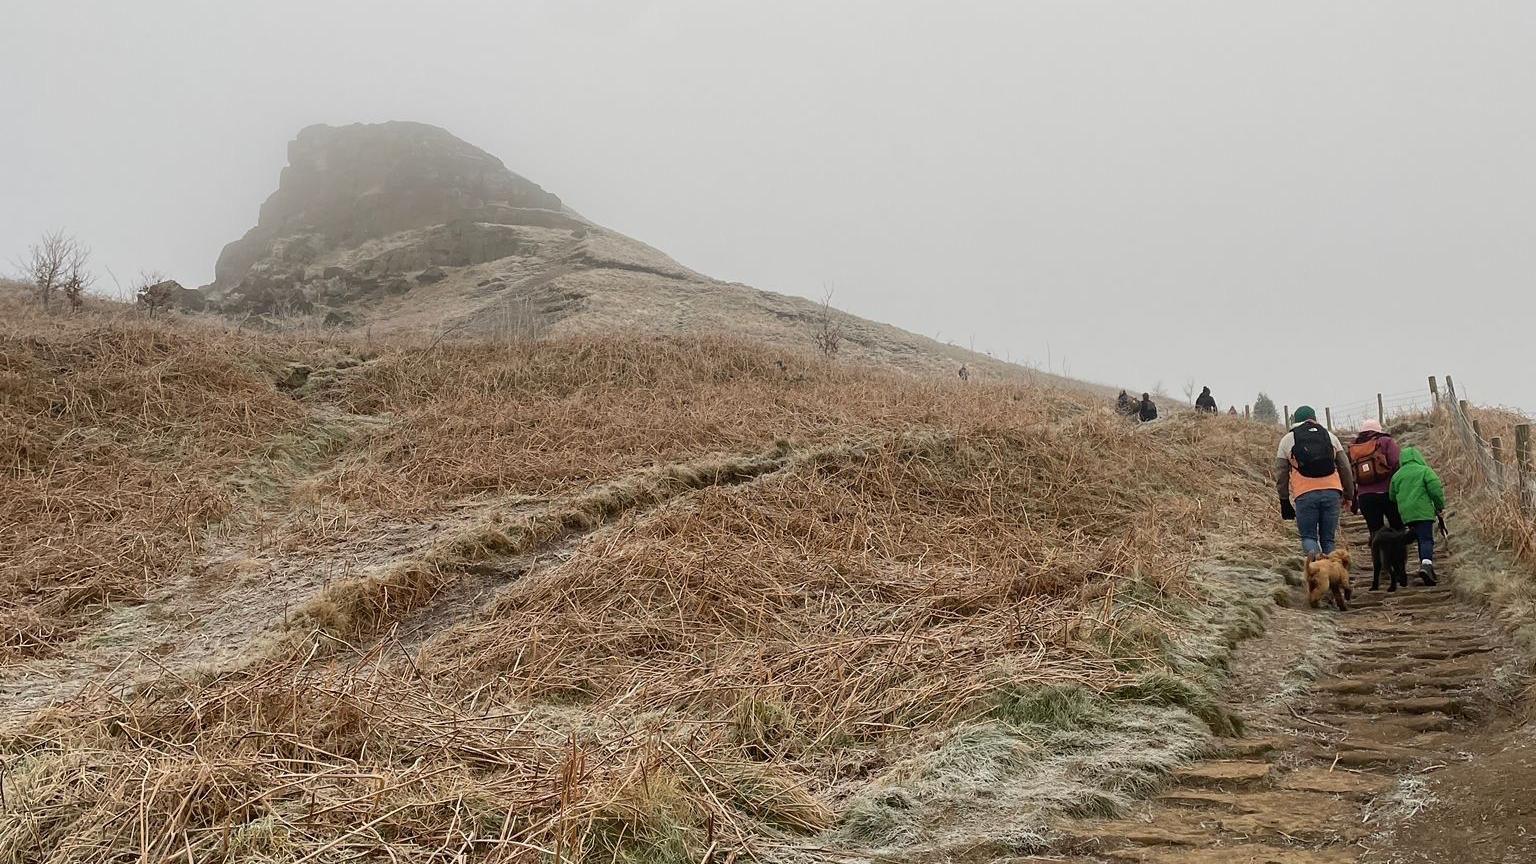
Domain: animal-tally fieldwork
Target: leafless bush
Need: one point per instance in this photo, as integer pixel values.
(151, 291)
(829, 331)
(57, 264)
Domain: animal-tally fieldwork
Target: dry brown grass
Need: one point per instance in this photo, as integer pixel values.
(743, 632)
(864, 594)
(537, 418)
(1492, 506)
(115, 435)
(703, 674)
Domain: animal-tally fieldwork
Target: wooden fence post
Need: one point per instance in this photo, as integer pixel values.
(1286, 419)
(1381, 410)
(1434, 394)
(1523, 464)
(1450, 389)
(1328, 412)
(1496, 444)
(1247, 412)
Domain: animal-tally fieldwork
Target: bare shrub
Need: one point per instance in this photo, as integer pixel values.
(56, 264)
(828, 335)
(151, 291)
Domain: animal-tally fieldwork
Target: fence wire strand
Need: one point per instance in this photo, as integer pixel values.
(1503, 478)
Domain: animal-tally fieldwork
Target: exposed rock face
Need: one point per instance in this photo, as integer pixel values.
(345, 186)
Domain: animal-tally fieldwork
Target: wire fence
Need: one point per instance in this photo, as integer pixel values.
(1504, 465)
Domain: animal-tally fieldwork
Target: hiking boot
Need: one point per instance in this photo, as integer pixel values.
(1427, 572)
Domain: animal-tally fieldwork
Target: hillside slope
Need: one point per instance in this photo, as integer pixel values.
(300, 596)
(403, 227)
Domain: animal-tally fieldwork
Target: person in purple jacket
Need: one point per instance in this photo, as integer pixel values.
(1371, 499)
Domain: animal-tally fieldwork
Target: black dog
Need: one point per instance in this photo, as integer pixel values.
(1389, 551)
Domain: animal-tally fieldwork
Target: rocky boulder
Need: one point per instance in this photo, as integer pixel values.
(169, 294)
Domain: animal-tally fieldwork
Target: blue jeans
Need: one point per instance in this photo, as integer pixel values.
(1317, 519)
(1425, 533)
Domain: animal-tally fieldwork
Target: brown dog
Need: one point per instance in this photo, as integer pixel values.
(1329, 575)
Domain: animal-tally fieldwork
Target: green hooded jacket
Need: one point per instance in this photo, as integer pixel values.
(1416, 488)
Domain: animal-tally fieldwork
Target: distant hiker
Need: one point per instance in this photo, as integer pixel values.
(1125, 404)
(1205, 402)
(965, 374)
(1314, 480)
(1373, 459)
(1146, 411)
(1232, 412)
(1420, 499)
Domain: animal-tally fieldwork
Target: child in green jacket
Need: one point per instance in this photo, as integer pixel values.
(1419, 496)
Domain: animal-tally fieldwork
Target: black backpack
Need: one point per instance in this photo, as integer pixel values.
(1312, 453)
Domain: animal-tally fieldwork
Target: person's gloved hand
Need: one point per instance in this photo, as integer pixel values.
(1287, 512)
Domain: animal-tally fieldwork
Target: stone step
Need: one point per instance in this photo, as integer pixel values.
(1422, 652)
(1247, 748)
(1409, 705)
(1250, 801)
(1391, 729)
(1378, 754)
(1224, 773)
(1472, 665)
(1355, 686)
(1239, 853)
(1352, 784)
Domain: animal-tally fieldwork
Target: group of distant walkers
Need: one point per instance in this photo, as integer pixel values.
(1390, 485)
(1318, 477)
(1144, 409)
(1141, 410)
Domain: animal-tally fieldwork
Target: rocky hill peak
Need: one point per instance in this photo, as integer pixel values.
(347, 184)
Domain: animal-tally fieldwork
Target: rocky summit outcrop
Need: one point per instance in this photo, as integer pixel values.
(345, 186)
(402, 227)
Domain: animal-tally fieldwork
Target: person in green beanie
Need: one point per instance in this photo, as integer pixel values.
(1314, 480)
(1420, 497)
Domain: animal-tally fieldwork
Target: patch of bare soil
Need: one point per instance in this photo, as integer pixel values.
(1399, 752)
(1482, 809)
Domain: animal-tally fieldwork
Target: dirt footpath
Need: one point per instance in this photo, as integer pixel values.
(1404, 750)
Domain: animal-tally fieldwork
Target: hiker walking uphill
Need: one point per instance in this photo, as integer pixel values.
(1205, 403)
(1313, 477)
(1420, 498)
(1373, 459)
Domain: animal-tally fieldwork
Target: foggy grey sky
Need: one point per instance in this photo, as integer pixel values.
(1143, 191)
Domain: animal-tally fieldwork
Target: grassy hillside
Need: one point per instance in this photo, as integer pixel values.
(286, 597)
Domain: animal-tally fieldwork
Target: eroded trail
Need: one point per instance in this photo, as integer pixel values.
(1409, 691)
